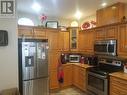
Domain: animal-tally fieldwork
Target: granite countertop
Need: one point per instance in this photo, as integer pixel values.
(120, 75)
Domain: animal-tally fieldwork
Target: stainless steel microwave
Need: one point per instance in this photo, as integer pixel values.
(74, 58)
(106, 47)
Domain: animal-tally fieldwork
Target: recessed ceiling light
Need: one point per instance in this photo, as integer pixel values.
(78, 15)
(104, 4)
(36, 7)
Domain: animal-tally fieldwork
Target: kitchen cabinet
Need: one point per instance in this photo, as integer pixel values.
(53, 59)
(74, 38)
(53, 39)
(86, 40)
(39, 33)
(53, 81)
(111, 32)
(25, 31)
(106, 32)
(64, 41)
(122, 40)
(118, 86)
(67, 69)
(79, 77)
(110, 14)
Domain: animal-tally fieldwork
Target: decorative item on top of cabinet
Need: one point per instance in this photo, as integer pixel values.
(110, 14)
(86, 40)
(122, 39)
(74, 38)
(25, 31)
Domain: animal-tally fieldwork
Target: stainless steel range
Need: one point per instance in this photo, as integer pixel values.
(98, 77)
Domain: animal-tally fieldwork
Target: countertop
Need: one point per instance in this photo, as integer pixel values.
(85, 66)
(120, 75)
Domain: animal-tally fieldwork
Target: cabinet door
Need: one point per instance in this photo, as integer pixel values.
(53, 81)
(100, 34)
(66, 41)
(39, 33)
(25, 31)
(67, 75)
(122, 39)
(53, 60)
(111, 32)
(74, 39)
(86, 41)
(75, 75)
(53, 37)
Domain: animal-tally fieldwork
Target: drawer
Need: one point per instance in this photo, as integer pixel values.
(119, 82)
(117, 90)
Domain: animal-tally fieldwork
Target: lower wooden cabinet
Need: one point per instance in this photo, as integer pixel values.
(79, 77)
(53, 79)
(118, 86)
(67, 69)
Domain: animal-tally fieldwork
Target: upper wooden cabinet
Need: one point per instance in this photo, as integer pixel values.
(39, 33)
(74, 38)
(86, 41)
(107, 32)
(53, 39)
(25, 31)
(122, 39)
(64, 41)
(111, 14)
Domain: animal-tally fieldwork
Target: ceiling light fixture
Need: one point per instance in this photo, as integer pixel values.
(78, 15)
(104, 4)
(36, 7)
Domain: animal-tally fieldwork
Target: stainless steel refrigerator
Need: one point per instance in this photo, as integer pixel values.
(33, 67)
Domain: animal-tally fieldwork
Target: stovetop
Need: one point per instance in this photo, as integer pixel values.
(105, 69)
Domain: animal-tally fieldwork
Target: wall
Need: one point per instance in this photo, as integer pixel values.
(8, 56)
(36, 19)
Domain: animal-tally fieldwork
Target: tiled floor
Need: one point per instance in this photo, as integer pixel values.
(69, 91)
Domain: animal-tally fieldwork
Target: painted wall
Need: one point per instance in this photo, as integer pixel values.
(36, 19)
(8, 56)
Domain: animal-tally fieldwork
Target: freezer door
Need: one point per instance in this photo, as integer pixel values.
(28, 60)
(36, 87)
(42, 59)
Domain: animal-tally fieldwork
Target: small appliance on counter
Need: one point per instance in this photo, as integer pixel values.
(64, 57)
(74, 58)
(92, 60)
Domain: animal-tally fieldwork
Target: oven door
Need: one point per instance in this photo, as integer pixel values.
(97, 84)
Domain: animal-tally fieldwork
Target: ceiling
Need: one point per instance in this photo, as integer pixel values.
(65, 9)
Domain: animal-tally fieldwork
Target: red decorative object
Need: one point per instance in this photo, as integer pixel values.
(86, 25)
(43, 17)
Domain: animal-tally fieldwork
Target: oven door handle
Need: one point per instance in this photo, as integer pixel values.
(97, 75)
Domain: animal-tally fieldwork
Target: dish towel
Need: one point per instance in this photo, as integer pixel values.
(60, 73)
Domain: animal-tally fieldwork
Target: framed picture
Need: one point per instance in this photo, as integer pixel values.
(52, 24)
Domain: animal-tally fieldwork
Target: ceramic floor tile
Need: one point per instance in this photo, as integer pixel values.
(69, 91)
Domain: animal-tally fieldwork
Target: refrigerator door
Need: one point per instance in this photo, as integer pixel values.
(36, 87)
(28, 60)
(42, 60)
